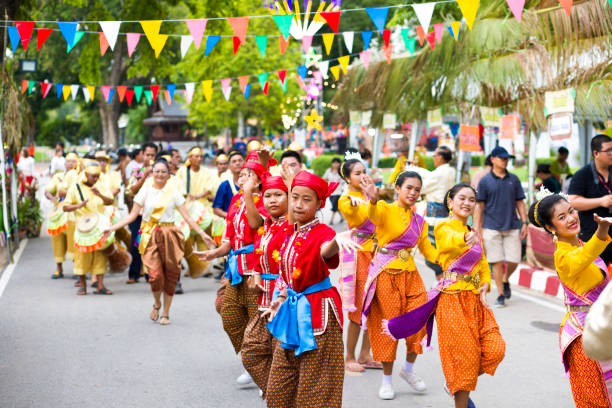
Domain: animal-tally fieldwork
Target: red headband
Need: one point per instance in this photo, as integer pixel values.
(252, 162)
(274, 182)
(316, 184)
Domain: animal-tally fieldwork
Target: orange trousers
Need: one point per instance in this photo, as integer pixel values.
(468, 338)
(364, 259)
(586, 379)
(397, 292)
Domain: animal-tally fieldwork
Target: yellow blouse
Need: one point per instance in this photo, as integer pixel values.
(95, 203)
(56, 184)
(451, 244)
(355, 216)
(575, 265)
(391, 221)
(72, 176)
(198, 182)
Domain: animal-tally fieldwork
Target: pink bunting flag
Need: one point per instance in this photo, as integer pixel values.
(129, 96)
(306, 43)
(121, 92)
(388, 52)
(226, 88)
(45, 87)
(105, 91)
(439, 30)
(516, 7)
(103, 44)
(243, 81)
(24, 28)
(239, 25)
(282, 74)
(196, 29)
(43, 34)
(365, 58)
(154, 91)
(132, 42)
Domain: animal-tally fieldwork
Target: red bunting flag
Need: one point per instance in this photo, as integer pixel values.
(265, 88)
(332, 18)
(43, 34)
(236, 44)
(129, 95)
(282, 74)
(24, 86)
(121, 92)
(283, 44)
(24, 28)
(103, 44)
(431, 39)
(386, 34)
(421, 34)
(45, 87)
(154, 91)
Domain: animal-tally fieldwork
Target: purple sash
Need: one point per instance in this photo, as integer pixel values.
(408, 239)
(574, 324)
(348, 268)
(412, 322)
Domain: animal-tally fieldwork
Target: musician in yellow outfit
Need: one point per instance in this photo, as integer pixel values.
(70, 178)
(84, 197)
(56, 192)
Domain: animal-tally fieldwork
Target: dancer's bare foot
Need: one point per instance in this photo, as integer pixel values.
(353, 366)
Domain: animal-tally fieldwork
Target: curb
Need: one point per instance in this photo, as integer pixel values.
(545, 282)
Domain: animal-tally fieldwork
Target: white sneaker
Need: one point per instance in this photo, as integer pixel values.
(385, 392)
(260, 393)
(415, 382)
(244, 379)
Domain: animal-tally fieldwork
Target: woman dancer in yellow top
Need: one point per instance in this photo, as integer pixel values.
(394, 285)
(584, 275)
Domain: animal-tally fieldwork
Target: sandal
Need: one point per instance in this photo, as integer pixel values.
(94, 285)
(82, 291)
(104, 291)
(167, 321)
(57, 275)
(78, 284)
(375, 365)
(156, 311)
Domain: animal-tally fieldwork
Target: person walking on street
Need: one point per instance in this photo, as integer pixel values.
(500, 198)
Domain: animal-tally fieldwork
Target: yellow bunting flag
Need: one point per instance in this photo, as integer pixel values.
(151, 29)
(335, 70)
(207, 88)
(66, 92)
(344, 61)
(92, 91)
(328, 40)
(158, 42)
(455, 27)
(469, 8)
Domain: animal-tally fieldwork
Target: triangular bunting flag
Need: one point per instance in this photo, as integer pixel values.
(283, 44)
(262, 78)
(111, 31)
(110, 96)
(410, 43)
(431, 39)
(265, 88)
(366, 36)
(196, 29)
(348, 40)
(105, 91)
(121, 90)
(77, 37)
(388, 52)
(424, 11)
(25, 31)
(454, 29)
(283, 85)
(24, 86)
(405, 32)
(243, 81)
(282, 75)
(171, 88)
(240, 26)
(186, 41)
(86, 94)
(344, 61)
(332, 18)
(138, 89)
(211, 41)
(132, 42)
(283, 21)
(365, 58)
(306, 43)
(92, 91)
(469, 8)
(378, 16)
(236, 44)
(148, 97)
(328, 41)
(566, 4)
(154, 91)
(68, 29)
(129, 96)
(516, 7)
(66, 92)
(14, 37)
(262, 44)
(45, 88)
(43, 34)
(189, 91)
(58, 89)
(103, 44)
(421, 35)
(74, 90)
(167, 97)
(247, 91)
(300, 82)
(207, 89)
(151, 29)
(335, 70)
(158, 42)
(302, 71)
(439, 30)
(31, 86)
(226, 88)
(386, 37)
(324, 67)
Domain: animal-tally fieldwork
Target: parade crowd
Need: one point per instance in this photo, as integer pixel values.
(254, 222)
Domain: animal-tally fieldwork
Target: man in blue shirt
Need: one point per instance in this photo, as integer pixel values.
(500, 198)
(228, 188)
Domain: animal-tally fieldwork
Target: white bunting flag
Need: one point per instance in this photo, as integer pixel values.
(111, 30)
(186, 41)
(74, 90)
(424, 12)
(189, 90)
(324, 67)
(86, 94)
(348, 40)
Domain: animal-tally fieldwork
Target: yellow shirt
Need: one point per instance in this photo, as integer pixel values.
(390, 224)
(198, 182)
(95, 203)
(357, 215)
(451, 244)
(72, 176)
(56, 184)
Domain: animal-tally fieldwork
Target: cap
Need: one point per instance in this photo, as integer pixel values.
(501, 153)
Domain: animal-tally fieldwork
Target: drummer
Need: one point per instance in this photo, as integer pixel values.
(56, 192)
(72, 164)
(84, 197)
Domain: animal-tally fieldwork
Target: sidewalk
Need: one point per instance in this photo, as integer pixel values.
(544, 282)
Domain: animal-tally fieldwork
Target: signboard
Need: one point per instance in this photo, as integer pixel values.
(560, 126)
(389, 121)
(468, 138)
(365, 118)
(559, 102)
(509, 126)
(490, 116)
(434, 118)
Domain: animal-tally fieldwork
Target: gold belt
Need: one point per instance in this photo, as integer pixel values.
(575, 308)
(394, 271)
(165, 224)
(454, 276)
(403, 254)
(363, 235)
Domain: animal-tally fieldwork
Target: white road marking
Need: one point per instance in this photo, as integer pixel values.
(11, 267)
(539, 301)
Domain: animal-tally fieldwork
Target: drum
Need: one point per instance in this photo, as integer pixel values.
(119, 259)
(200, 214)
(89, 232)
(57, 221)
(182, 225)
(218, 228)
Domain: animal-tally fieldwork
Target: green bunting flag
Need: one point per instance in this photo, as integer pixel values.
(262, 44)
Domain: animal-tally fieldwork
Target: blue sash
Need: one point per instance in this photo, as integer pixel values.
(231, 269)
(292, 325)
(269, 276)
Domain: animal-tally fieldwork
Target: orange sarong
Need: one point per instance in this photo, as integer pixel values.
(364, 259)
(468, 338)
(586, 379)
(397, 292)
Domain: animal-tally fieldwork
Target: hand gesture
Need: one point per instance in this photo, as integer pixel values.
(287, 174)
(524, 231)
(95, 191)
(205, 255)
(368, 187)
(249, 185)
(254, 283)
(606, 201)
(604, 222)
(83, 203)
(273, 310)
(356, 201)
(471, 238)
(345, 242)
(264, 156)
(483, 294)
(208, 240)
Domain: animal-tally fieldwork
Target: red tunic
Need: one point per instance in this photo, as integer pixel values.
(302, 266)
(267, 249)
(238, 232)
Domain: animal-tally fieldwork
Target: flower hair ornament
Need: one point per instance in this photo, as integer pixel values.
(540, 195)
(352, 156)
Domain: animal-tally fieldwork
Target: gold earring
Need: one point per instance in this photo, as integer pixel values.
(555, 238)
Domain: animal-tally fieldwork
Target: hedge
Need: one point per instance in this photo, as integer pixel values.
(323, 162)
(387, 162)
(544, 160)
